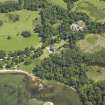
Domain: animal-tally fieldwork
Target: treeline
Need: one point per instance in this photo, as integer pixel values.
(23, 56)
(97, 58)
(94, 94)
(9, 6)
(70, 3)
(34, 4)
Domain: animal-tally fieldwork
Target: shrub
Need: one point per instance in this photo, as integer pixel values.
(14, 18)
(9, 37)
(26, 34)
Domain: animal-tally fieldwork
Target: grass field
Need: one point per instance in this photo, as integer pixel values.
(92, 43)
(96, 73)
(94, 8)
(13, 29)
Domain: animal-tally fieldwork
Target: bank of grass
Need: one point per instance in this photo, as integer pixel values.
(92, 43)
(96, 73)
(94, 8)
(27, 19)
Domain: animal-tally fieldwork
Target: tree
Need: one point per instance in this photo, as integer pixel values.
(9, 37)
(26, 34)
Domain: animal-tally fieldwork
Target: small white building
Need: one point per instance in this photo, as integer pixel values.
(74, 27)
(78, 26)
(51, 49)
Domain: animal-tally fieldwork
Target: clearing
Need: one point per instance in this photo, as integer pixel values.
(96, 73)
(91, 43)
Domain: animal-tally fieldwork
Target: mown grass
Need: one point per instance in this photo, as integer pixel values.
(13, 29)
(94, 8)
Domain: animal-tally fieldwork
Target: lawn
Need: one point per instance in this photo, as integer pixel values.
(96, 73)
(94, 8)
(27, 19)
(91, 43)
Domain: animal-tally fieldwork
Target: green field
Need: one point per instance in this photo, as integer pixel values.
(92, 43)
(13, 29)
(94, 8)
(96, 73)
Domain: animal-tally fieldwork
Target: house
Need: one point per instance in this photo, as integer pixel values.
(74, 27)
(78, 26)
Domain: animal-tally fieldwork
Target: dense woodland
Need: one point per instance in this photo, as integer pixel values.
(70, 66)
